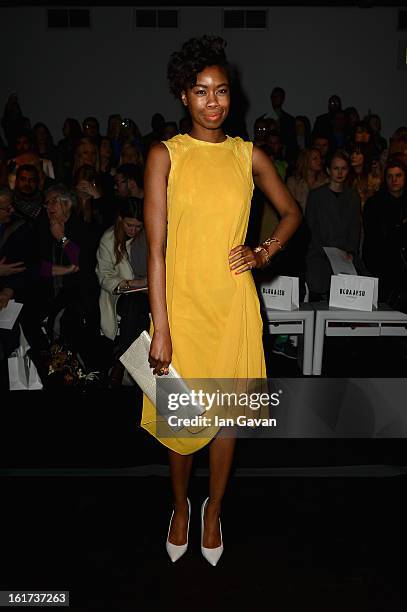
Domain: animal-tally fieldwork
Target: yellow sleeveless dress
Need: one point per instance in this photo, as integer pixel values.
(214, 314)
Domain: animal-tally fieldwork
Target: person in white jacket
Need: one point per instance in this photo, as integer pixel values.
(122, 273)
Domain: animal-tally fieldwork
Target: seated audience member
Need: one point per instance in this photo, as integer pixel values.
(333, 216)
(323, 123)
(113, 131)
(3, 167)
(11, 121)
(90, 129)
(157, 125)
(303, 131)
(66, 150)
(185, 125)
(309, 174)
(375, 125)
(44, 146)
(338, 131)
(122, 264)
(169, 130)
(286, 124)
(128, 181)
(106, 168)
(261, 131)
(321, 142)
(398, 148)
(13, 241)
(27, 197)
(130, 134)
(62, 276)
(130, 154)
(90, 204)
(24, 145)
(274, 149)
(24, 142)
(364, 176)
(352, 119)
(385, 230)
(362, 133)
(86, 153)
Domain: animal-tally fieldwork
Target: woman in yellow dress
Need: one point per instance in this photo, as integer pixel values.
(204, 305)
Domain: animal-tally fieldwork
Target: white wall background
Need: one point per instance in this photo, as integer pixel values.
(311, 52)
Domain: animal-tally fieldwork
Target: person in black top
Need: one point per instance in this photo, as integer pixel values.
(61, 270)
(385, 227)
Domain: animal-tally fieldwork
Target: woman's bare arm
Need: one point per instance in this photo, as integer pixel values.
(155, 221)
(266, 177)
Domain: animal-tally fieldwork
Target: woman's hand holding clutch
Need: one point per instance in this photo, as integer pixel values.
(160, 352)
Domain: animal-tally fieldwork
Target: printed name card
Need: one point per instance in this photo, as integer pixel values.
(281, 293)
(353, 292)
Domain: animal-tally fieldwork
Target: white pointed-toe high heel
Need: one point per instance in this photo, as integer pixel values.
(212, 555)
(176, 551)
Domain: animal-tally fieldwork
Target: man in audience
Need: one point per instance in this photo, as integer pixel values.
(157, 124)
(90, 127)
(321, 142)
(27, 198)
(128, 181)
(323, 123)
(286, 124)
(385, 225)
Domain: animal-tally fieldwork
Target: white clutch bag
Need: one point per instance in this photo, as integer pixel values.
(135, 360)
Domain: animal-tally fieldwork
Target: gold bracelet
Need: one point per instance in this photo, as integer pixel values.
(273, 239)
(262, 248)
(265, 244)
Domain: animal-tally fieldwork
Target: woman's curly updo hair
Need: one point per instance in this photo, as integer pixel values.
(196, 54)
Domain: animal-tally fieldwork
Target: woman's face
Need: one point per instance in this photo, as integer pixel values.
(299, 127)
(41, 134)
(374, 123)
(353, 117)
(338, 170)
(356, 158)
(87, 154)
(57, 209)
(129, 155)
(131, 226)
(208, 101)
(361, 135)
(105, 148)
(315, 161)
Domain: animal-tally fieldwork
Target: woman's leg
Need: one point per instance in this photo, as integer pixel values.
(220, 461)
(180, 467)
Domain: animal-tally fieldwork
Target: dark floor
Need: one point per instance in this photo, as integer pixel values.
(320, 544)
(313, 524)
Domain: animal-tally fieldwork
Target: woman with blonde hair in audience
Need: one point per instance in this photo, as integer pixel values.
(86, 153)
(130, 134)
(309, 174)
(130, 155)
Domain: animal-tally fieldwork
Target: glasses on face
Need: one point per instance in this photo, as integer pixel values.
(51, 201)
